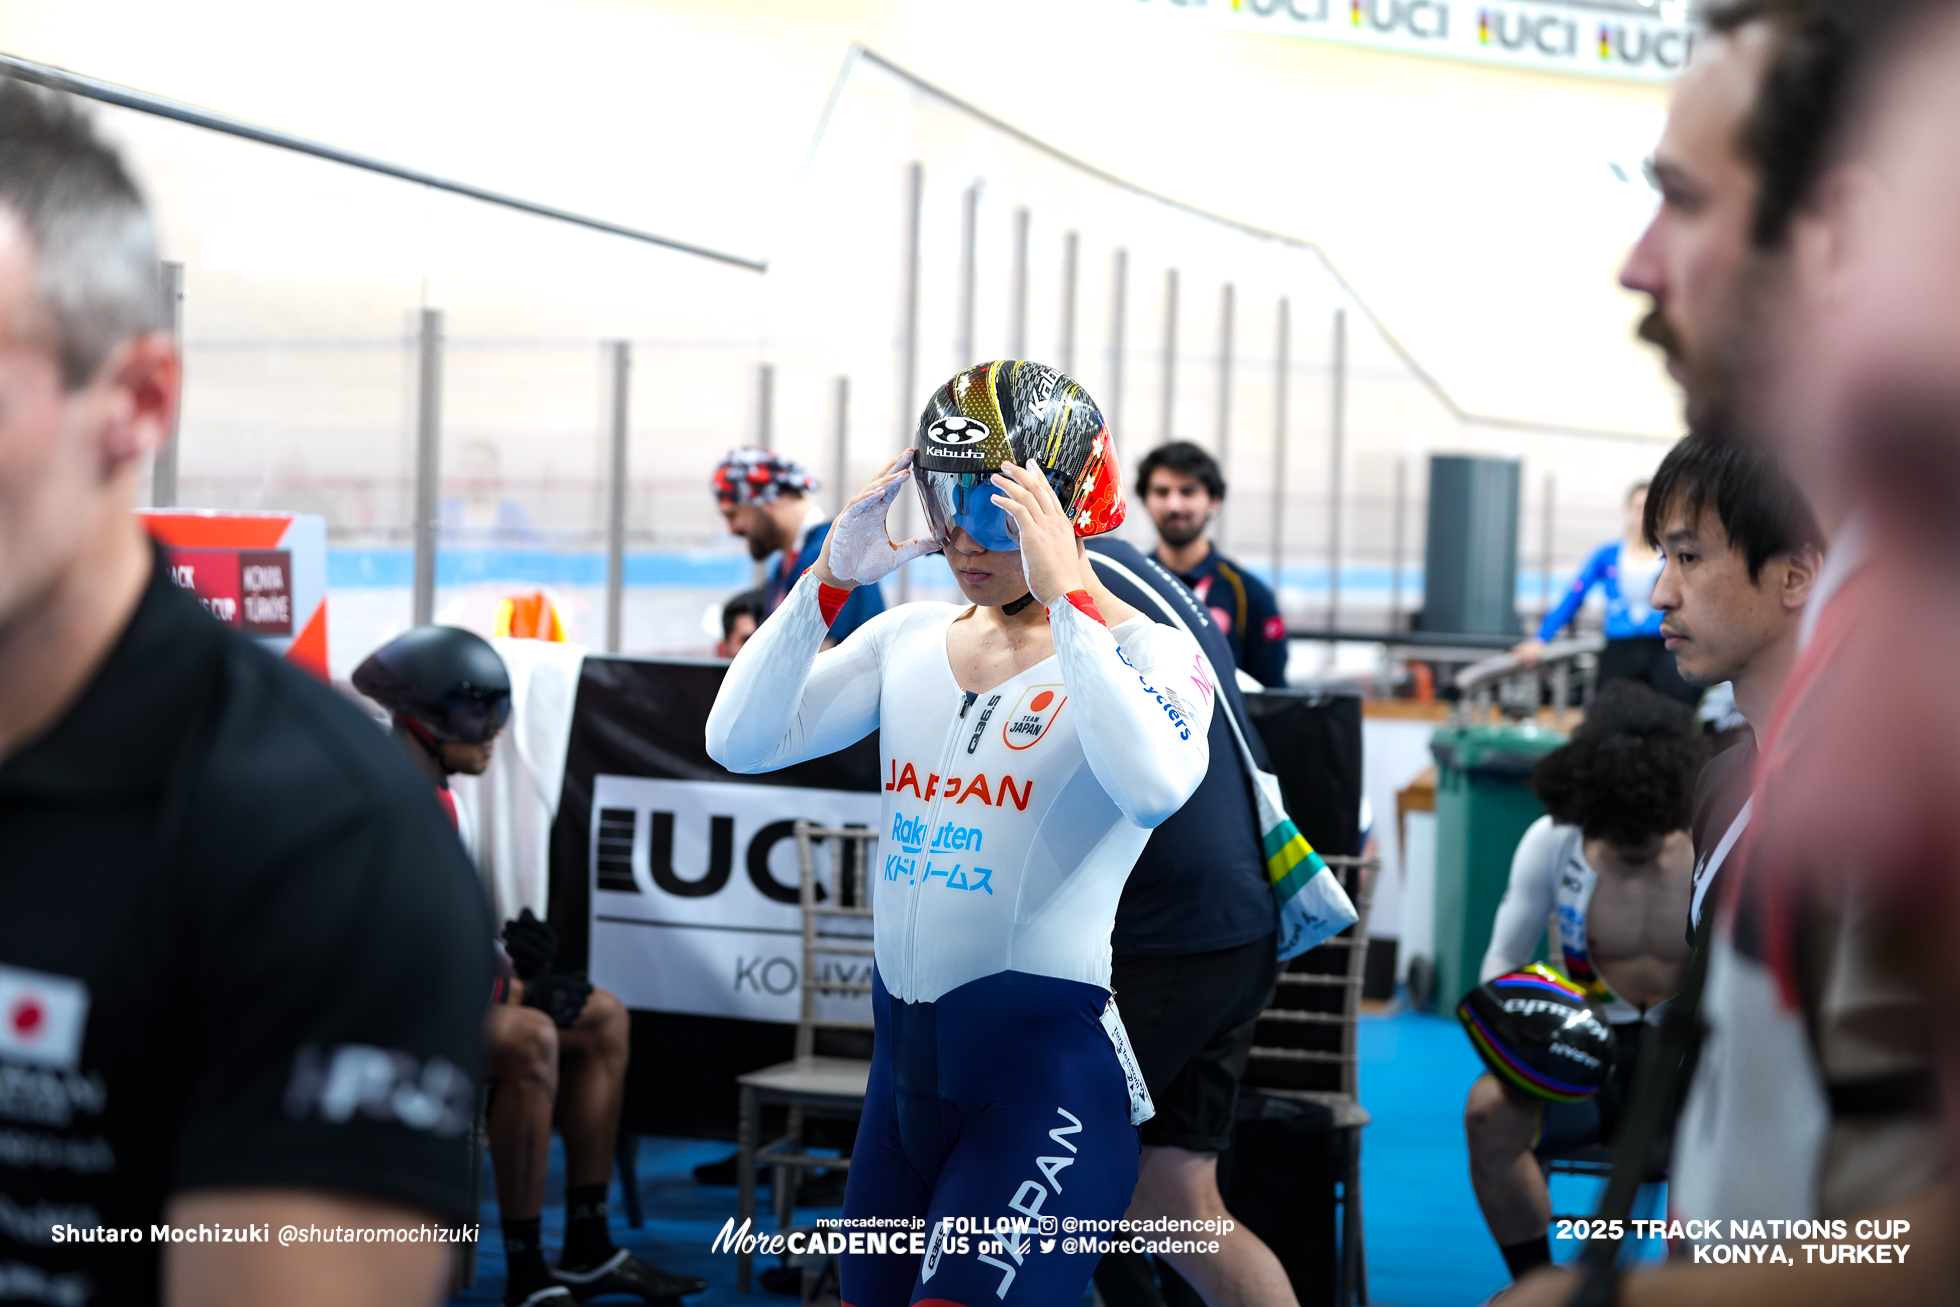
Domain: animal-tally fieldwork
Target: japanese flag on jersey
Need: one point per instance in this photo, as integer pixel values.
(42, 1017)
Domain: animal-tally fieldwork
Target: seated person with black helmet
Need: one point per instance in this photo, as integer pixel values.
(1612, 867)
(555, 1048)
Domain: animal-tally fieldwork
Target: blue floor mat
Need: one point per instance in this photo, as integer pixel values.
(682, 1220)
(1426, 1242)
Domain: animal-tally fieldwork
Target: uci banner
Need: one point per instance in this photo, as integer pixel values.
(675, 883)
(686, 874)
(1636, 40)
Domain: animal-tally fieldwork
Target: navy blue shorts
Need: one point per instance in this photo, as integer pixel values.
(1002, 1101)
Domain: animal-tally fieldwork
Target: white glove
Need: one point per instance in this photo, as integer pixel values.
(860, 546)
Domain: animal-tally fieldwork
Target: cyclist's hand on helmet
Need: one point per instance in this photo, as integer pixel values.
(1049, 554)
(859, 548)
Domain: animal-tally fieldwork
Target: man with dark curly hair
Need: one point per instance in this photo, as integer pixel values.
(1612, 865)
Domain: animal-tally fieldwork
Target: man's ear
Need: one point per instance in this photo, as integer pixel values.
(144, 379)
(1800, 577)
(1831, 236)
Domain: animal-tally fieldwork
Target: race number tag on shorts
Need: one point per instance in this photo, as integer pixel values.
(1141, 1108)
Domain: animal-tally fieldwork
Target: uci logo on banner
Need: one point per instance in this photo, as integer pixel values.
(695, 895)
(1034, 712)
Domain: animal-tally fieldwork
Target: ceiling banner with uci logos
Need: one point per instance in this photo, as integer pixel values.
(1637, 40)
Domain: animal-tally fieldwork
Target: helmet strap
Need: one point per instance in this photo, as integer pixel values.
(1018, 604)
(425, 737)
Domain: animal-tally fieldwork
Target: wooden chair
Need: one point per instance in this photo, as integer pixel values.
(1340, 1091)
(809, 1085)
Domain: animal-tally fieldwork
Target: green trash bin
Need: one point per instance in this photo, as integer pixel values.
(1483, 806)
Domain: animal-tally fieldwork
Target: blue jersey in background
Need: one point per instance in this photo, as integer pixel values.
(1628, 617)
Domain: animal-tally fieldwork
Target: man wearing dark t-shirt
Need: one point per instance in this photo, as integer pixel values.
(242, 972)
(1195, 960)
(1742, 551)
(1182, 487)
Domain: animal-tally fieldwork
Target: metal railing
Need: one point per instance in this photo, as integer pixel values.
(1517, 689)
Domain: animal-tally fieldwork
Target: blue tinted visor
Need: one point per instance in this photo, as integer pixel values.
(965, 501)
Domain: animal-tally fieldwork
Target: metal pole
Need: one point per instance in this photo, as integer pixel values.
(841, 445)
(428, 466)
(1017, 302)
(143, 102)
(1545, 550)
(1119, 277)
(622, 375)
(969, 274)
(765, 406)
(163, 472)
(1282, 345)
(1169, 425)
(908, 373)
(1225, 314)
(1395, 567)
(1071, 255)
(1335, 460)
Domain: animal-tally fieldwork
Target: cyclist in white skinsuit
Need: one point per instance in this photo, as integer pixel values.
(1020, 786)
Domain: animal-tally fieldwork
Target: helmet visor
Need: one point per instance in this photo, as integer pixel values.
(469, 715)
(965, 501)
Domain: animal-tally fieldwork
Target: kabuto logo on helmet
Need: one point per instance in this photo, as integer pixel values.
(958, 437)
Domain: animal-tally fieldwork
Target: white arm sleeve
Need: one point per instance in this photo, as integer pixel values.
(1143, 725)
(1528, 899)
(783, 702)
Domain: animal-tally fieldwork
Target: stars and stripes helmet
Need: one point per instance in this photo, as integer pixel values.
(753, 475)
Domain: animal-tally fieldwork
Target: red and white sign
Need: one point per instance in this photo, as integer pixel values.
(264, 574)
(42, 1018)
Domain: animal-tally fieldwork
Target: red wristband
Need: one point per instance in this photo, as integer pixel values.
(830, 600)
(1085, 603)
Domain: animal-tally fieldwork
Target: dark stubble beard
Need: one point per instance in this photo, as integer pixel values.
(1730, 380)
(1706, 396)
(1177, 536)
(764, 539)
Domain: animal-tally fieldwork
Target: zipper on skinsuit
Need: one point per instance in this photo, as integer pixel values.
(932, 824)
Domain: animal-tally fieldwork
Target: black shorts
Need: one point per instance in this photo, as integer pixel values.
(1190, 1020)
(1647, 660)
(1568, 1126)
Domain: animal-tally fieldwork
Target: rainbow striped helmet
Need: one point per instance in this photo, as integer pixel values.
(1534, 1030)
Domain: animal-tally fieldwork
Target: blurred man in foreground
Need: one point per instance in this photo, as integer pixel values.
(220, 886)
(1830, 980)
(556, 1048)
